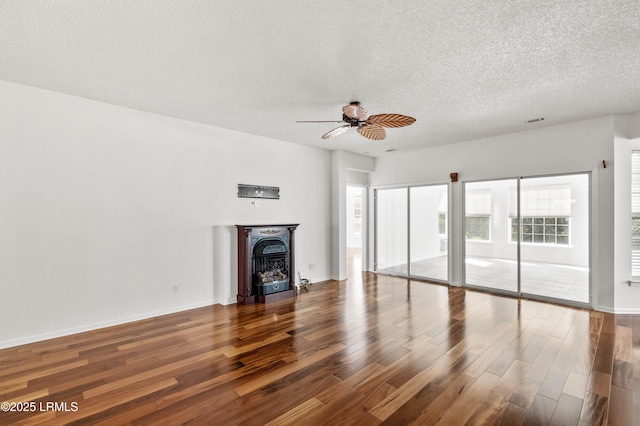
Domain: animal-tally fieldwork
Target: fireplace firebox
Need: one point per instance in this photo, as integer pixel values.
(266, 263)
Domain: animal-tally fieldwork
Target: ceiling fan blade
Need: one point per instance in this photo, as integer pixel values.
(319, 121)
(372, 131)
(391, 120)
(337, 131)
(355, 111)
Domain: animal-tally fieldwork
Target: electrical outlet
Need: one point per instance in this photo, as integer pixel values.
(174, 288)
(312, 266)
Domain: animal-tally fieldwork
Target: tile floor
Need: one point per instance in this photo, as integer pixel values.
(543, 279)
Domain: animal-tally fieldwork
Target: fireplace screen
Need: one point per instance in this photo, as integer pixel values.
(271, 264)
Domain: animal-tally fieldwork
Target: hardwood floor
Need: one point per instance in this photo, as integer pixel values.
(371, 350)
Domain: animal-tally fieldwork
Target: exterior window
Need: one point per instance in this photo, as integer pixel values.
(635, 246)
(545, 211)
(635, 214)
(542, 230)
(357, 215)
(442, 212)
(442, 223)
(478, 228)
(478, 215)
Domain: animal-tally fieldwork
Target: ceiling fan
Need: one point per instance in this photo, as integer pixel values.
(369, 126)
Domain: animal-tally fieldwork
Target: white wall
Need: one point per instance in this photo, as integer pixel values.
(103, 209)
(568, 148)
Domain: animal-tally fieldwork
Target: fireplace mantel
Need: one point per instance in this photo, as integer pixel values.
(248, 237)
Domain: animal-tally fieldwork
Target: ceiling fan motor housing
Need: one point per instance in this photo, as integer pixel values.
(354, 122)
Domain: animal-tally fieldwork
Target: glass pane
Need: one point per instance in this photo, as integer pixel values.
(429, 233)
(491, 257)
(635, 233)
(477, 228)
(391, 232)
(553, 267)
(635, 246)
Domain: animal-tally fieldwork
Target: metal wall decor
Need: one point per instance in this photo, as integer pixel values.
(256, 191)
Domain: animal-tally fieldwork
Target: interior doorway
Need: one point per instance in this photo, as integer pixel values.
(355, 230)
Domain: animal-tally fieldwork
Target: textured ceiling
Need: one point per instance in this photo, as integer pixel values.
(464, 69)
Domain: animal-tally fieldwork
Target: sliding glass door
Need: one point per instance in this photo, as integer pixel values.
(391, 231)
(554, 253)
(523, 236)
(491, 261)
(412, 232)
(529, 236)
(428, 220)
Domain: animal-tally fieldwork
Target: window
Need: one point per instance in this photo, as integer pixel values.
(545, 211)
(542, 230)
(442, 212)
(635, 214)
(478, 228)
(357, 215)
(478, 215)
(442, 223)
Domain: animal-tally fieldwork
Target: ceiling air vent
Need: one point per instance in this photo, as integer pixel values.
(534, 120)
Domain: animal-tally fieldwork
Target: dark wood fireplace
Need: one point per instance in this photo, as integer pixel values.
(266, 263)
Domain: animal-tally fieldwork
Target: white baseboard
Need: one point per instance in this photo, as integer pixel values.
(336, 278)
(627, 311)
(621, 311)
(634, 311)
(223, 302)
(95, 326)
(604, 309)
(319, 279)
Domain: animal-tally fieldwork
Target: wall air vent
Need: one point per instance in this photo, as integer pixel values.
(534, 120)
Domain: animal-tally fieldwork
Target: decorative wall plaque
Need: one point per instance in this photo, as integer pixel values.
(256, 191)
(270, 231)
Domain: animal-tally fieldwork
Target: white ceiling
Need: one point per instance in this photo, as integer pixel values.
(463, 68)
